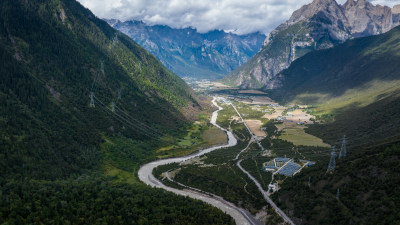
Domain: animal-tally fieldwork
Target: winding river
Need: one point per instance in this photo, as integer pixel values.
(145, 174)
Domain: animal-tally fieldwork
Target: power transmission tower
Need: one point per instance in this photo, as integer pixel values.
(332, 162)
(337, 194)
(343, 149)
(113, 106)
(91, 99)
(119, 94)
(102, 67)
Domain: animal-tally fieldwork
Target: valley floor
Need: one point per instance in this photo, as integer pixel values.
(263, 130)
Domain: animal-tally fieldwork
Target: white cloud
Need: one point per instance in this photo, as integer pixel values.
(240, 16)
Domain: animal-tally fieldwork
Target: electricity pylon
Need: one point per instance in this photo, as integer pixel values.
(113, 106)
(119, 94)
(337, 194)
(91, 99)
(332, 162)
(343, 149)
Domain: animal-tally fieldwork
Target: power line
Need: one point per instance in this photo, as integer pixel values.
(134, 125)
(137, 121)
(97, 75)
(145, 132)
(125, 117)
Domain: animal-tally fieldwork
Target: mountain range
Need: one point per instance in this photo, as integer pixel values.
(319, 25)
(187, 52)
(83, 106)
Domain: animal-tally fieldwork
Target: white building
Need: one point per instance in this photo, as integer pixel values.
(273, 187)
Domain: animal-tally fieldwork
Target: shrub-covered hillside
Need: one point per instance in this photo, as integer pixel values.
(64, 161)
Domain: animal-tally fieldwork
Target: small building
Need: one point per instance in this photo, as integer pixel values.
(273, 187)
(270, 166)
(308, 163)
(281, 118)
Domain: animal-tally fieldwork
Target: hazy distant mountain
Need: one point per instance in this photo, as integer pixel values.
(318, 25)
(189, 53)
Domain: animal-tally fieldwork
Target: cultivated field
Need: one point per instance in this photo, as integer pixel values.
(295, 133)
(251, 92)
(261, 100)
(278, 112)
(299, 116)
(255, 127)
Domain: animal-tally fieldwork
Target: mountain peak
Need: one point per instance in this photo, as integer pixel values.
(365, 18)
(319, 25)
(324, 2)
(308, 11)
(364, 3)
(396, 9)
(190, 53)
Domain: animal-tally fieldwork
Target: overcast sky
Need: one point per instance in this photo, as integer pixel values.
(238, 16)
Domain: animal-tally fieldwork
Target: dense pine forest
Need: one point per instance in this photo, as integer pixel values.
(64, 161)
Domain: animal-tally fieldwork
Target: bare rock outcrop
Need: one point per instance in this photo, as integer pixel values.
(319, 25)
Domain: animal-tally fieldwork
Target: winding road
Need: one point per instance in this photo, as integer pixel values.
(240, 216)
(263, 192)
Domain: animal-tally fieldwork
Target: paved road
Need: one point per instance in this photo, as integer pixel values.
(240, 216)
(264, 193)
(251, 133)
(245, 213)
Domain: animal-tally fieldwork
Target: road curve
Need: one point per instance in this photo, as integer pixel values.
(145, 174)
(264, 194)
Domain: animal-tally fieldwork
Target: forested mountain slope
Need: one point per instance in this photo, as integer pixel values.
(354, 90)
(354, 85)
(354, 64)
(53, 56)
(56, 148)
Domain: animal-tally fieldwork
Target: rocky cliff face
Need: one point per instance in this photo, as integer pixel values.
(189, 53)
(319, 25)
(396, 15)
(366, 19)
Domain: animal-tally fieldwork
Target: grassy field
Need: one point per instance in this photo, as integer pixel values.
(356, 97)
(252, 112)
(120, 176)
(295, 133)
(121, 158)
(199, 136)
